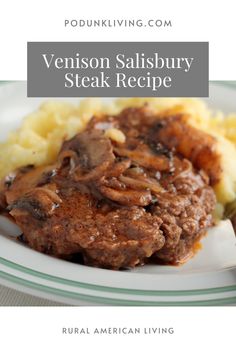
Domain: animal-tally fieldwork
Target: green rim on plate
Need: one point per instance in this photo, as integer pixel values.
(108, 289)
(111, 301)
(115, 301)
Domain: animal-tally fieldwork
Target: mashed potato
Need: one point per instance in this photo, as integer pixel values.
(41, 134)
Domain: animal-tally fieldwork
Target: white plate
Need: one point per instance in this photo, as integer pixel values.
(208, 279)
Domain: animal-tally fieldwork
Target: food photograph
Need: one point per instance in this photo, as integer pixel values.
(119, 201)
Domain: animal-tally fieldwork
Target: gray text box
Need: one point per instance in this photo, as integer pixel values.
(49, 72)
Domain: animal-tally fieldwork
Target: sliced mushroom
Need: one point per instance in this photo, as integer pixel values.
(127, 197)
(93, 156)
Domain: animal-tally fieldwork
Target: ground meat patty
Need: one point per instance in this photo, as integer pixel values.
(107, 238)
(116, 204)
(184, 220)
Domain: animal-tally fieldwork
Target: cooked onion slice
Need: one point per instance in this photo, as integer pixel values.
(142, 183)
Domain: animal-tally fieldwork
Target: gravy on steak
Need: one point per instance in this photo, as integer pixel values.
(117, 204)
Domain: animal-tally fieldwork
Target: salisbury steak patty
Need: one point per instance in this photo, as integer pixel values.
(118, 204)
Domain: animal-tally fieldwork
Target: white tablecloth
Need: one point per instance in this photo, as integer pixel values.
(10, 297)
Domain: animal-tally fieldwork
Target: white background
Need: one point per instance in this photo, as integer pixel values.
(38, 330)
(196, 20)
